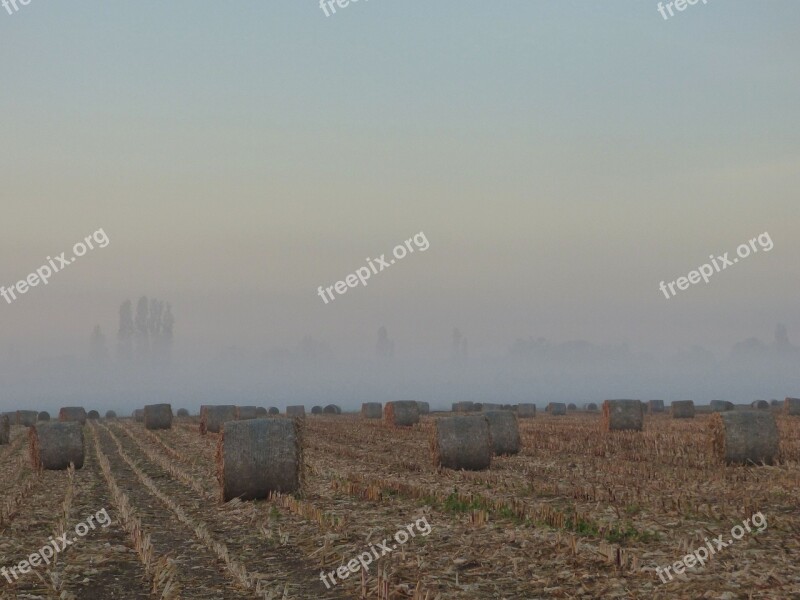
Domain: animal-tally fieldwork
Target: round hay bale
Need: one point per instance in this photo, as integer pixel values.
(72, 413)
(791, 406)
(571, 406)
(296, 411)
(316, 410)
(212, 417)
(477, 407)
(158, 416)
(462, 443)
(682, 409)
(462, 407)
(53, 446)
(27, 418)
(5, 429)
(111, 415)
(331, 409)
(371, 410)
(273, 411)
(526, 410)
(93, 415)
(774, 403)
(43, 416)
(182, 412)
(556, 409)
(401, 413)
(504, 432)
(138, 415)
(261, 412)
(487, 406)
(590, 407)
(656, 406)
(245, 413)
(760, 405)
(260, 456)
(721, 406)
(744, 437)
(424, 408)
(623, 415)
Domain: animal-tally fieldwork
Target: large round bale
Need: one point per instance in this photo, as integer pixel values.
(760, 405)
(682, 409)
(5, 429)
(556, 408)
(245, 413)
(53, 446)
(296, 411)
(111, 415)
(744, 437)
(590, 407)
(27, 418)
(791, 406)
(462, 443)
(526, 410)
(138, 415)
(371, 410)
(274, 411)
(316, 410)
(259, 456)
(462, 407)
(93, 415)
(43, 416)
(504, 432)
(212, 417)
(72, 413)
(487, 406)
(183, 413)
(331, 409)
(401, 413)
(656, 406)
(571, 407)
(261, 412)
(424, 408)
(623, 415)
(721, 406)
(158, 416)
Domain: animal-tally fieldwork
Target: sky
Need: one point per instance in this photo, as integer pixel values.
(562, 159)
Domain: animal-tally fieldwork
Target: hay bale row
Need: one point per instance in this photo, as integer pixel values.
(259, 456)
(182, 412)
(245, 413)
(72, 413)
(462, 407)
(682, 409)
(274, 411)
(111, 415)
(158, 416)
(721, 406)
(93, 415)
(212, 417)
(556, 408)
(316, 410)
(331, 409)
(401, 413)
(462, 443)
(26, 418)
(53, 446)
(371, 410)
(571, 407)
(487, 406)
(526, 411)
(623, 415)
(590, 407)
(744, 437)
(656, 406)
(5, 429)
(296, 411)
(138, 415)
(261, 412)
(43, 416)
(424, 408)
(503, 431)
(791, 406)
(760, 405)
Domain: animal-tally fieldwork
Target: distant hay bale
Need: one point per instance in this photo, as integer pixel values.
(791, 406)
(721, 406)
(93, 415)
(72, 413)
(682, 409)
(158, 416)
(53, 446)
(296, 411)
(526, 410)
(316, 410)
(371, 410)
(571, 406)
(331, 409)
(590, 407)
(623, 415)
(260, 456)
(261, 412)
(507, 407)
(760, 405)
(487, 406)
(656, 406)
(182, 412)
(774, 403)
(27, 418)
(556, 408)
(462, 443)
(43, 416)
(245, 413)
(5, 429)
(424, 408)
(401, 413)
(138, 415)
(744, 437)
(213, 416)
(111, 415)
(273, 411)
(477, 407)
(504, 432)
(461, 407)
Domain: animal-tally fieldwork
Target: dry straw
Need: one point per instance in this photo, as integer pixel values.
(744, 437)
(526, 411)
(73, 413)
(682, 409)
(623, 415)
(26, 418)
(504, 432)
(257, 457)
(462, 443)
(791, 406)
(212, 417)
(53, 446)
(371, 410)
(5, 429)
(158, 416)
(401, 413)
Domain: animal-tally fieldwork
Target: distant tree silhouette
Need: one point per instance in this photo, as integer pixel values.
(385, 347)
(97, 349)
(125, 331)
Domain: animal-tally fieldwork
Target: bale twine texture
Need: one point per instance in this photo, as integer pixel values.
(73, 413)
(245, 413)
(504, 432)
(462, 443)
(526, 410)
(682, 409)
(744, 437)
(401, 413)
(371, 410)
(556, 408)
(53, 446)
(158, 416)
(212, 417)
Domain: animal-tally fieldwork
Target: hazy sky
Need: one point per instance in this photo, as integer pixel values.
(562, 158)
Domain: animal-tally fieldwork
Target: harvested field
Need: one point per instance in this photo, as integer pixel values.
(560, 519)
